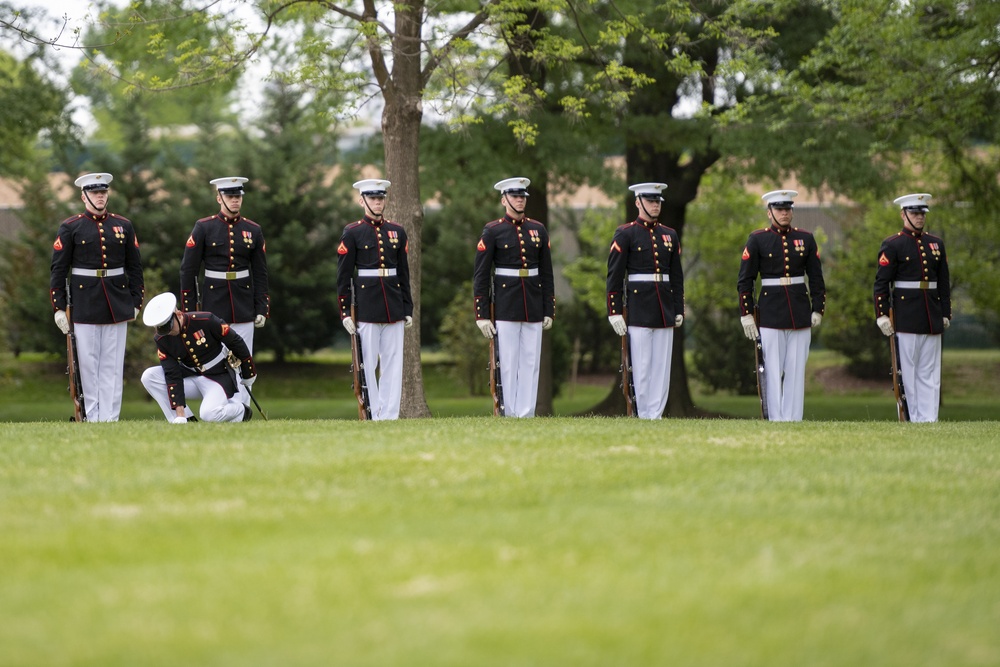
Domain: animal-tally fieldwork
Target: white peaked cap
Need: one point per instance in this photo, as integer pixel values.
(515, 186)
(372, 186)
(229, 185)
(652, 191)
(98, 181)
(159, 309)
(917, 201)
(780, 197)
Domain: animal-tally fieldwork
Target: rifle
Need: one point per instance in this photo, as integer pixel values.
(235, 363)
(73, 366)
(902, 409)
(761, 375)
(360, 383)
(496, 384)
(628, 383)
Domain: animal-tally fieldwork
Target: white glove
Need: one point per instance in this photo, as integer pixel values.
(749, 327)
(61, 321)
(349, 325)
(678, 320)
(885, 325)
(618, 324)
(248, 382)
(546, 322)
(816, 319)
(487, 328)
(947, 323)
(135, 314)
(258, 322)
(409, 322)
(179, 420)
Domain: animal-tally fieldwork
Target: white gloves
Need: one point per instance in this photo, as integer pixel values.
(248, 382)
(349, 325)
(61, 321)
(179, 420)
(409, 322)
(947, 323)
(816, 319)
(487, 328)
(258, 322)
(678, 320)
(749, 327)
(885, 325)
(546, 322)
(618, 324)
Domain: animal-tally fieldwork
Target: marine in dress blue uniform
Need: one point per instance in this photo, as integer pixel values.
(193, 350)
(913, 279)
(513, 269)
(98, 252)
(645, 273)
(234, 255)
(792, 301)
(373, 269)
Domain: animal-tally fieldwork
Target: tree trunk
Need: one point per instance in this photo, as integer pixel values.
(401, 118)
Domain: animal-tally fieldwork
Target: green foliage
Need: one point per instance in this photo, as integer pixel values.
(587, 274)
(25, 304)
(31, 104)
(917, 83)
(148, 48)
(720, 222)
(849, 268)
(303, 215)
(462, 341)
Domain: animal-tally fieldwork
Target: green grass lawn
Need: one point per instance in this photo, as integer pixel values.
(477, 541)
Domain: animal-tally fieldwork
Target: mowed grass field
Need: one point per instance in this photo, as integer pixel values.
(476, 541)
(313, 539)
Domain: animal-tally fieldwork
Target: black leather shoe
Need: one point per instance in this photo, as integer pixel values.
(247, 413)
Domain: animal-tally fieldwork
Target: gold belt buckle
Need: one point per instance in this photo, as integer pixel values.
(101, 273)
(522, 273)
(383, 273)
(657, 277)
(230, 275)
(924, 284)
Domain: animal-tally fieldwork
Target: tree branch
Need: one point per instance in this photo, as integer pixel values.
(437, 58)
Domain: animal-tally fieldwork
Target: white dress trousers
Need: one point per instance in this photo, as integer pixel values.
(215, 406)
(245, 331)
(920, 363)
(651, 351)
(785, 355)
(520, 358)
(382, 346)
(100, 350)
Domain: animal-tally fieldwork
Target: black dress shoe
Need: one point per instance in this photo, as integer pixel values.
(247, 413)
(192, 418)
